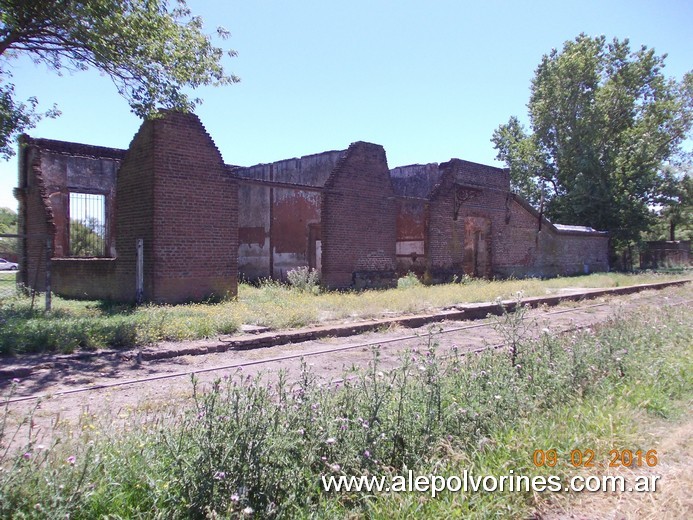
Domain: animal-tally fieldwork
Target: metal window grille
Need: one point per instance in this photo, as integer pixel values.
(87, 225)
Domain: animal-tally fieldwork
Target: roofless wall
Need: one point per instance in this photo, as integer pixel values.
(460, 218)
(171, 180)
(279, 222)
(177, 224)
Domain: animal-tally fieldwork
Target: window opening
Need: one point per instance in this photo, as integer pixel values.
(87, 225)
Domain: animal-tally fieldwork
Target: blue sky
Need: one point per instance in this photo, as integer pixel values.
(427, 80)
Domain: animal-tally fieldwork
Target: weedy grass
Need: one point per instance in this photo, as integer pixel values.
(8, 284)
(74, 324)
(257, 447)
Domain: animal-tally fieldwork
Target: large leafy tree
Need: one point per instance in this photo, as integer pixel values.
(153, 51)
(674, 211)
(604, 120)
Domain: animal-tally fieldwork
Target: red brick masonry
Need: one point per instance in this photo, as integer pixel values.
(344, 213)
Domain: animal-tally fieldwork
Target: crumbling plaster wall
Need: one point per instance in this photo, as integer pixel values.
(413, 185)
(411, 246)
(64, 173)
(279, 225)
(49, 171)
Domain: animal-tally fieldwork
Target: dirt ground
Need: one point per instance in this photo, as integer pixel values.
(113, 384)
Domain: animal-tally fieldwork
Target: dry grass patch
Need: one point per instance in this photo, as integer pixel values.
(672, 500)
(75, 325)
(279, 306)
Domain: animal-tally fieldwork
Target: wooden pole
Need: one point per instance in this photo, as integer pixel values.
(139, 283)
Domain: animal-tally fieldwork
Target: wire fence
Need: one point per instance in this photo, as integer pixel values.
(9, 265)
(25, 268)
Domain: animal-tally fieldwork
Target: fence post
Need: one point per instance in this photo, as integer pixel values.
(139, 273)
(49, 254)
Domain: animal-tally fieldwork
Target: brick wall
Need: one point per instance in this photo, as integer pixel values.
(134, 214)
(495, 233)
(471, 173)
(85, 278)
(666, 253)
(516, 237)
(35, 218)
(445, 233)
(577, 253)
(48, 171)
(174, 192)
(359, 221)
(75, 168)
(195, 214)
(527, 250)
(171, 190)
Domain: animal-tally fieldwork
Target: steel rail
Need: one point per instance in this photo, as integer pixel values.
(243, 364)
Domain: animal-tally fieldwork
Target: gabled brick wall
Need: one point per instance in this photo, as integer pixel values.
(194, 205)
(171, 191)
(174, 193)
(464, 212)
(134, 214)
(359, 221)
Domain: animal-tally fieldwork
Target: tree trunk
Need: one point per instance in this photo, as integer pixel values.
(672, 228)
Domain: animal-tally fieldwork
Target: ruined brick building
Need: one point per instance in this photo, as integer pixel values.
(170, 221)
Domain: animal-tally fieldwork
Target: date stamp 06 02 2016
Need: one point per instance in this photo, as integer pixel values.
(586, 458)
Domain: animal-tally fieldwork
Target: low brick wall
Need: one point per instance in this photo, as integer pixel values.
(666, 254)
(374, 280)
(85, 278)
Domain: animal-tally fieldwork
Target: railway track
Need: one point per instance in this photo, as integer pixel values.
(385, 342)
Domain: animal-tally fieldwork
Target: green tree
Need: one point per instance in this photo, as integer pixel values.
(674, 211)
(604, 120)
(87, 237)
(8, 226)
(153, 52)
(8, 221)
